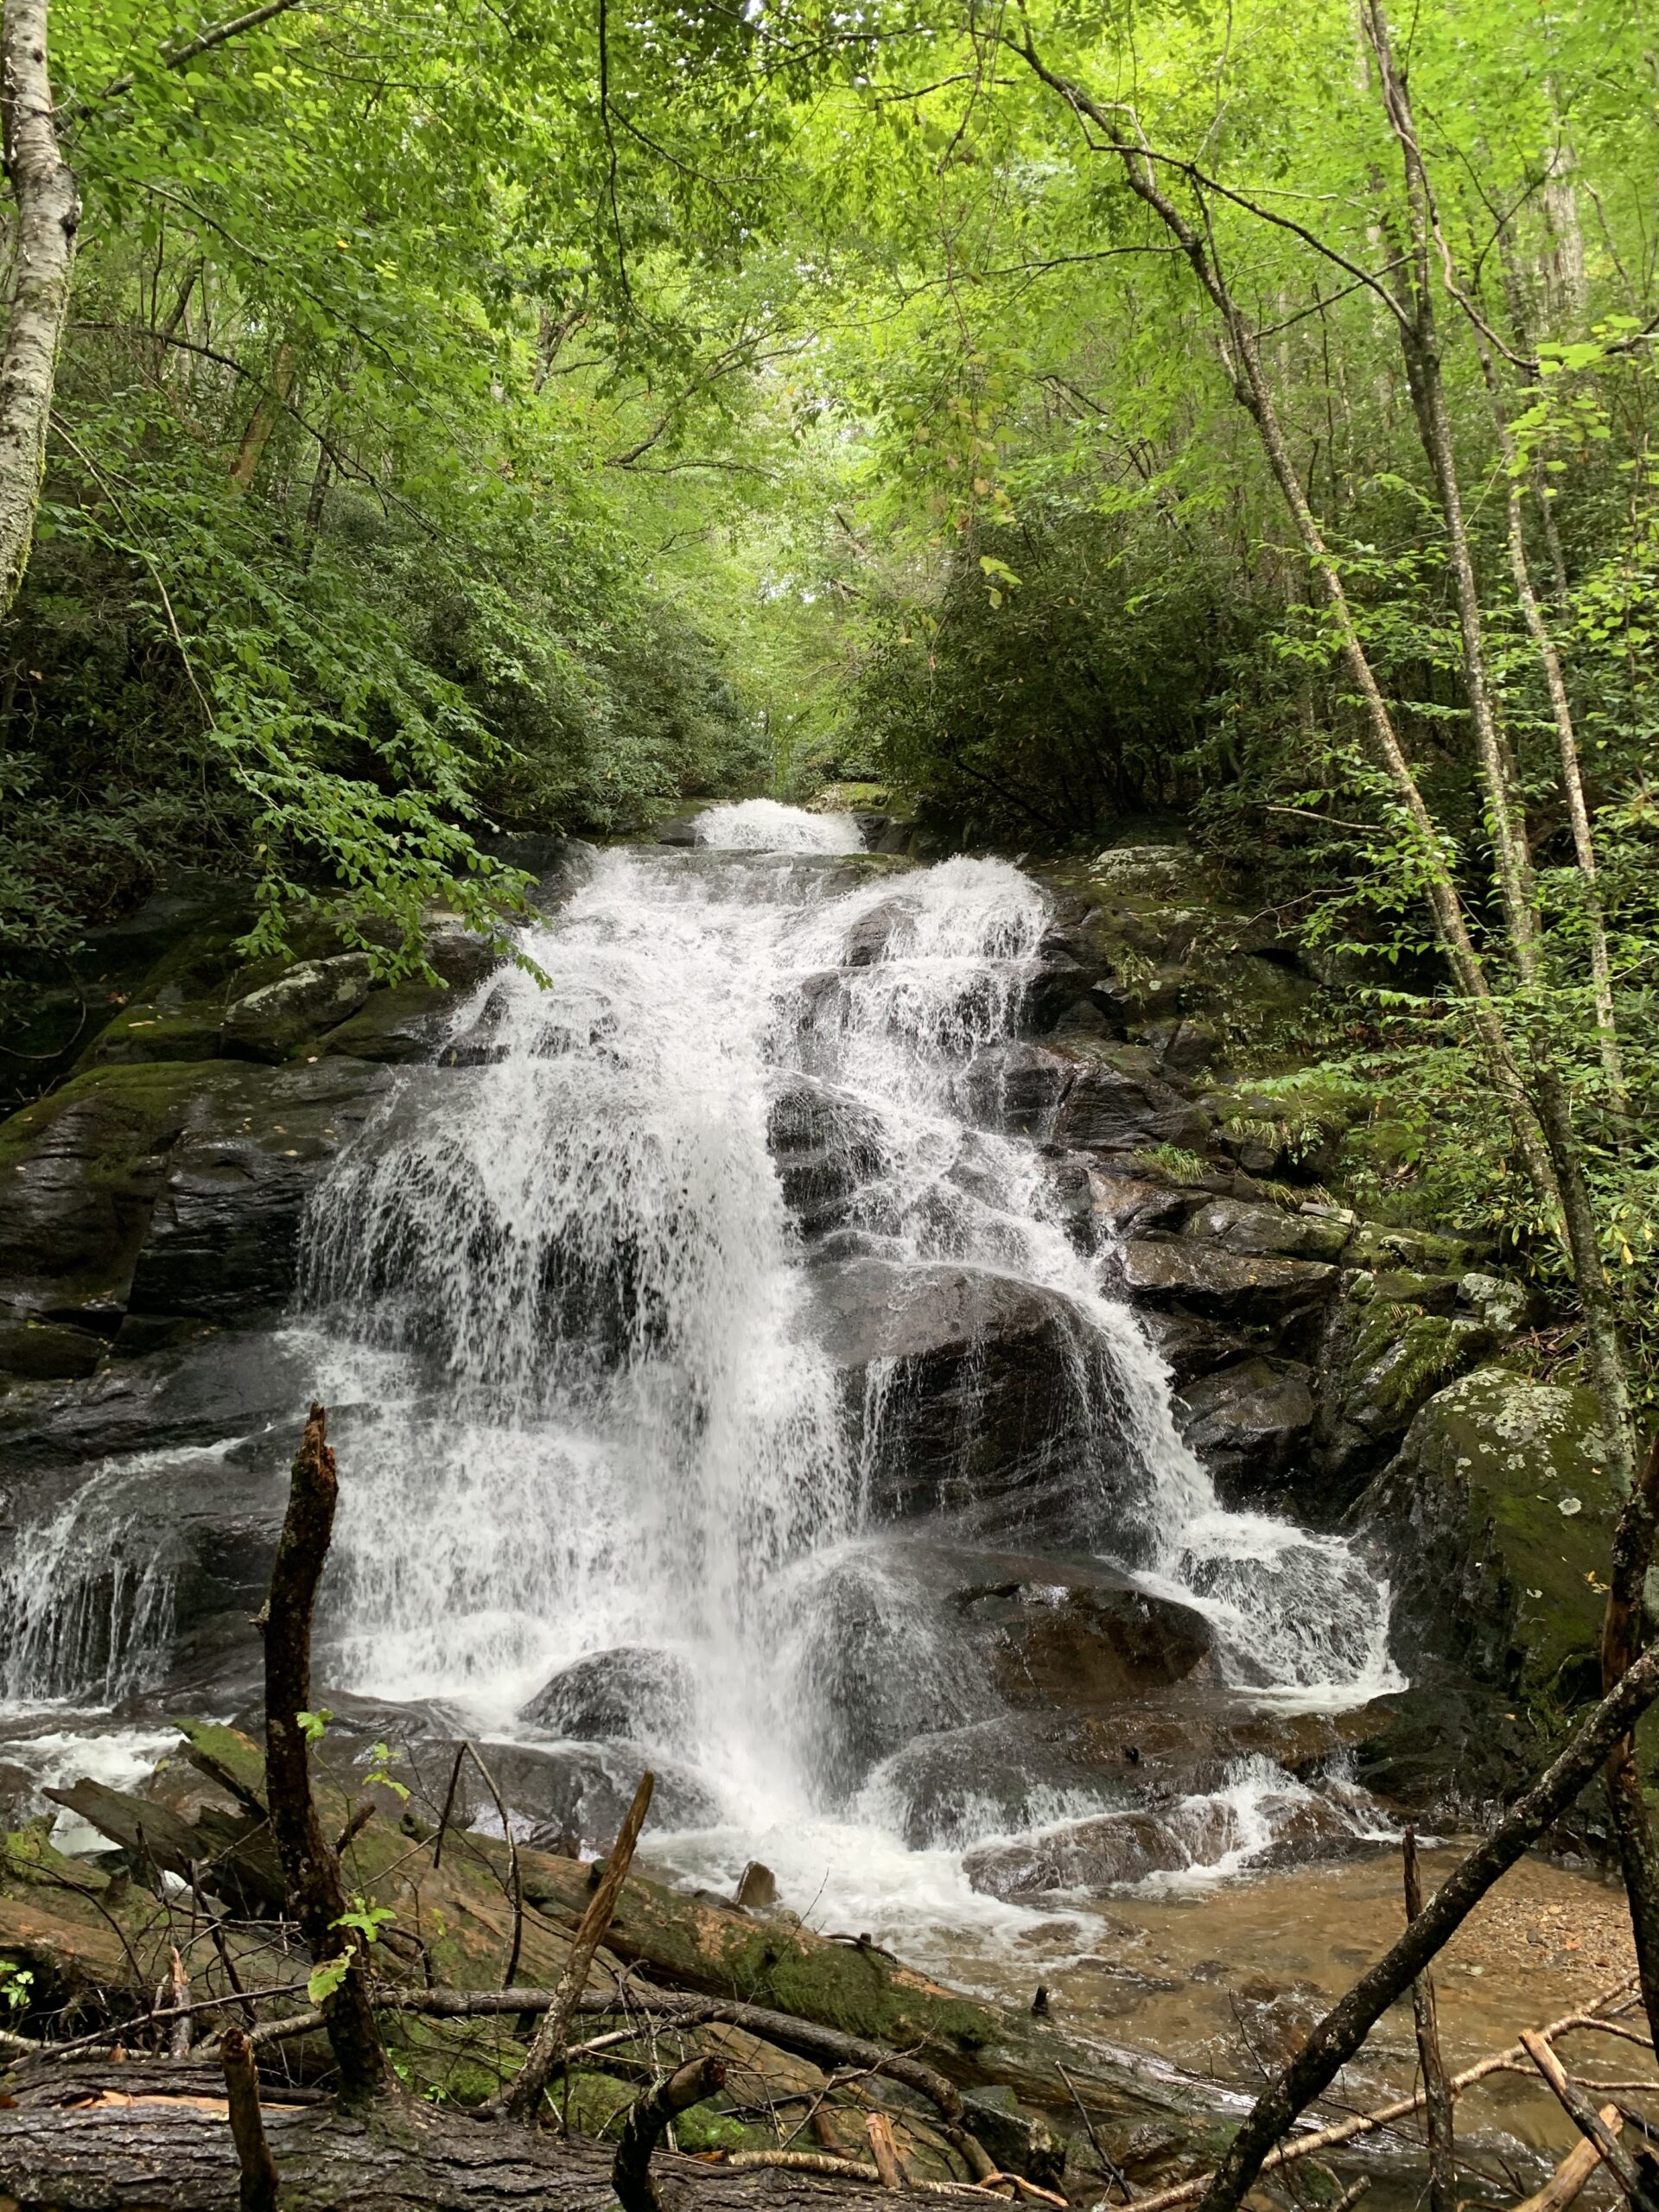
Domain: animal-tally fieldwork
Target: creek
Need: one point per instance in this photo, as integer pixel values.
(724, 1378)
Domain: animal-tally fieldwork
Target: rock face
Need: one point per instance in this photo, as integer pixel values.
(1497, 1516)
(139, 1197)
(979, 1398)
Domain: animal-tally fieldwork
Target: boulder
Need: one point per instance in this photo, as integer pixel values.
(1126, 1203)
(1235, 1225)
(1445, 1750)
(1249, 1422)
(632, 1692)
(1395, 1340)
(80, 1171)
(1018, 1087)
(827, 1146)
(1497, 1517)
(1280, 1827)
(311, 998)
(1120, 1103)
(979, 1396)
(1251, 1289)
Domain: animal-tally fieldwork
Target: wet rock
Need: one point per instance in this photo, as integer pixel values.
(1065, 1636)
(1444, 1750)
(1018, 1087)
(1234, 1226)
(996, 1775)
(1243, 1287)
(79, 1175)
(633, 1692)
(1119, 1104)
(402, 1026)
(827, 1146)
(211, 1389)
(224, 1234)
(1129, 1205)
(1497, 1516)
(313, 997)
(980, 1396)
(883, 933)
(1249, 1422)
(1281, 1827)
(1192, 1344)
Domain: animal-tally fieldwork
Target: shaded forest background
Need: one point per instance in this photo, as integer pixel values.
(500, 417)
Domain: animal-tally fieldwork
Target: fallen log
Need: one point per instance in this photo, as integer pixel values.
(171, 2155)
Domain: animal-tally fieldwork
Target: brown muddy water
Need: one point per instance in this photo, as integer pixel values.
(1223, 1982)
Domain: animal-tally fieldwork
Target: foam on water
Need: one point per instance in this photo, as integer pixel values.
(757, 825)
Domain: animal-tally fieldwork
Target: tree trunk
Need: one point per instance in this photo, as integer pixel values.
(1583, 847)
(265, 418)
(48, 219)
(1632, 1824)
(1254, 395)
(310, 1865)
(1420, 340)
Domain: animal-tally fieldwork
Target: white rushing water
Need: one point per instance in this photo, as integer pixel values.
(583, 1385)
(566, 1280)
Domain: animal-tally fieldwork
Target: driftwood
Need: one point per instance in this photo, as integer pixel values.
(257, 2184)
(1564, 2185)
(522, 2100)
(1584, 2116)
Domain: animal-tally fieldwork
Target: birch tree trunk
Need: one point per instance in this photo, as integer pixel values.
(48, 217)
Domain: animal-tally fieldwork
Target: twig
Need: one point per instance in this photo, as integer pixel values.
(522, 2099)
(648, 2116)
(178, 2040)
(1110, 2164)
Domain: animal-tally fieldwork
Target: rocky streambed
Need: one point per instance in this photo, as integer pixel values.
(851, 1336)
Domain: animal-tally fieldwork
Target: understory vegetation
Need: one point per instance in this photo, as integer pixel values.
(1065, 427)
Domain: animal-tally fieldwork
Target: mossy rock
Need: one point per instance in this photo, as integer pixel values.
(147, 1031)
(1498, 1514)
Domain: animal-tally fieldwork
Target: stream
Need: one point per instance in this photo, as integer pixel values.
(670, 1327)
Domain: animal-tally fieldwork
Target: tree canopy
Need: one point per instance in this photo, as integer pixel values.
(509, 416)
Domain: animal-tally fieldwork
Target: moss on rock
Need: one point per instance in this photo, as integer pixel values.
(1500, 1512)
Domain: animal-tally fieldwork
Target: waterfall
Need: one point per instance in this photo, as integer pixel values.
(619, 1310)
(595, 1415)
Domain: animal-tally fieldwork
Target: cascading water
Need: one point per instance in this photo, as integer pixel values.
(621, 1311)
(588, 1407)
